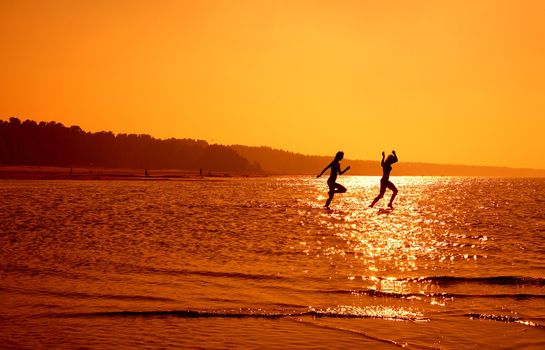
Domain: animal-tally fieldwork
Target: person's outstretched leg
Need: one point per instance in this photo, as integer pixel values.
(380, 195)
(377, 198)
(394, 194)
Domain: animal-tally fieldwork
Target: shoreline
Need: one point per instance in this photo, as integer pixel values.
(79, 173)
(32, 172)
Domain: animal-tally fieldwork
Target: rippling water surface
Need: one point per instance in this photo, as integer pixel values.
(258, 263)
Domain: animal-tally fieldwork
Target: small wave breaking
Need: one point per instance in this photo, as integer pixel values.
(449, 280)
(504, 318)
(382, 294)
(327, 313)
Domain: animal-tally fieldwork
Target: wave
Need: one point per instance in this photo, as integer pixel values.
(496, 280)
(128, 268)
(37, 271)
(82, 295)
(364, 334)
(240, 315)
(239, 275)
(504, 318)
(377, 293)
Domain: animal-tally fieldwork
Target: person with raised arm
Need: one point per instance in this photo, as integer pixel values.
(385, 180)
(335, 170)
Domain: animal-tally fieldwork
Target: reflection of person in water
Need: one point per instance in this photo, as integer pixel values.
(385, 181)
(335, 169)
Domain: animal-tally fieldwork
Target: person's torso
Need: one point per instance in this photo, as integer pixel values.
(386, 170)
(335, 169)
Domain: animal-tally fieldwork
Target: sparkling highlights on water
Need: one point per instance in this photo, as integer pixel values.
(378, 311)
(415, 235)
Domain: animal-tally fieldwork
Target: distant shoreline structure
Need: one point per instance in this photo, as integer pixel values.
(51, 144)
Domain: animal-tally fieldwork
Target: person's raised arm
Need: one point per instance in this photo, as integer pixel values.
(323, 171)
(395, 157)
(382, 161)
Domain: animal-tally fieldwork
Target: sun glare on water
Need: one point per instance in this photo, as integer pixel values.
(416, 237)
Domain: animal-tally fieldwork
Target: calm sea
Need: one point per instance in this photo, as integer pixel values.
(258, 263)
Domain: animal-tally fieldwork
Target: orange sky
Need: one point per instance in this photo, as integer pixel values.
(439, 81)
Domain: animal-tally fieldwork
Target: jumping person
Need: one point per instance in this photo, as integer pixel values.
(335, 169)
(385, 180)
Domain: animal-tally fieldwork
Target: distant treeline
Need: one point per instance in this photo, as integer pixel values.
(274, 161)
(53, 144)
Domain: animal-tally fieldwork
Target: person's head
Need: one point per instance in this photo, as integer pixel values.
(390, 159)
(339, 155)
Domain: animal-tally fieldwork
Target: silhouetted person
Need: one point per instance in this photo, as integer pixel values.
(335, 170)
(385, 180)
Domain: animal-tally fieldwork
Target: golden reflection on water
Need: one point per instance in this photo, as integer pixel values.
(154, 252)
(391, 285)
(380, 242)
(397, 239)
(374, 311)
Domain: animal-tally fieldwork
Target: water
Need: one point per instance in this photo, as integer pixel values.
(258, 263)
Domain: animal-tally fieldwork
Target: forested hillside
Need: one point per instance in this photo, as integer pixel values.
(53, 144)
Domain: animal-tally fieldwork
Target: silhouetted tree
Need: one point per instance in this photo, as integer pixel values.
(53, 144)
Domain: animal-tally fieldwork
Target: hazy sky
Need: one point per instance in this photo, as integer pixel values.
(439, 81)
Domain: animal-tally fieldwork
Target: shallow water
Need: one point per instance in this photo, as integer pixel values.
(258, 263)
